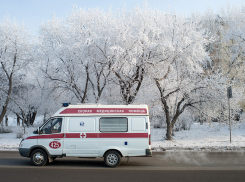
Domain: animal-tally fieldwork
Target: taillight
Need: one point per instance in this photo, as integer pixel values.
(149, 139)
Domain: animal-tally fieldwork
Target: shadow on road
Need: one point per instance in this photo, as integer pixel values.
(160, 160)
(65, 162)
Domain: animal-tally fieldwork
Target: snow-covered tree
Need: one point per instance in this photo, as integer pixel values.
(180, 78)
(93, 34)
(15, 54)
(233, 46)
(65, 68)
(233, 39)
(75, 54)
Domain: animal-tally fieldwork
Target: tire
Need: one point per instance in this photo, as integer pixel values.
(39, 157)
(112, 158)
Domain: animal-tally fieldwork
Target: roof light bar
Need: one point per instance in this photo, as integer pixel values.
(65, 104)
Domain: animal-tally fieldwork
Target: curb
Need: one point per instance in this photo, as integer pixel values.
(207, 148)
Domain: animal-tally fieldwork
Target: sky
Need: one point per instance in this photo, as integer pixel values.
(33, 12)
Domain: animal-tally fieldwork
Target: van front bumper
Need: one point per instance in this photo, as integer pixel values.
(148, 152)
(24, 152)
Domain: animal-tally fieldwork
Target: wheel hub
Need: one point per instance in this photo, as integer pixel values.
(112, 159)
(38, 158)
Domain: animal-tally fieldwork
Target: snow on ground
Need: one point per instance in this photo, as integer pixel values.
(209, 137)
(9, 141)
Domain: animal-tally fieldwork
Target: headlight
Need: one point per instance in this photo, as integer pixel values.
(21, 143)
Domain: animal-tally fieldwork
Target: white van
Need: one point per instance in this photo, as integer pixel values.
(109, 131)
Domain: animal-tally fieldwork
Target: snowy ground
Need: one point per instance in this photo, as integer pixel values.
(9, 141)
(209, 137)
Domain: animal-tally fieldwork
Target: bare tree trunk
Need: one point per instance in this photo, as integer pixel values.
(28, 118)
(10, 79)
(18, 120)
(6, 121)
(7, 100)
(170, 120)
(32, 118)
(127, 87)
(98, 86)
(169, 132)
(23, 124)
(86, 86)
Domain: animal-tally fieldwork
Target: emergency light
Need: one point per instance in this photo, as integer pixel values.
(65, 104)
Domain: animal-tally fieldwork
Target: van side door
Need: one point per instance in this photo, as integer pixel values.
(81, 139)
(51, 136)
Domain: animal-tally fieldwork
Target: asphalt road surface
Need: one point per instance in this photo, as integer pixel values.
(163, 166)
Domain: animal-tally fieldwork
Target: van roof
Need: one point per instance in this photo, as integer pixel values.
(105, 110)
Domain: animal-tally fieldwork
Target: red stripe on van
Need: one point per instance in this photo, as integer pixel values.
(58, 135)
(107, 135)
(91, 135)
(31, 137)
(104, 111)
(122, 135)
(72, 135)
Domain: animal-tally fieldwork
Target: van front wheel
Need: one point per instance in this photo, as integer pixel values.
(39, 157)
(112, 158)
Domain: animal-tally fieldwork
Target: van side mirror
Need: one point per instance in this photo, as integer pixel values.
(40, 131)
(35, 132)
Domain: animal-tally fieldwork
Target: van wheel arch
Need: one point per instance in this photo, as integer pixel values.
(38, 147)
(113, 150)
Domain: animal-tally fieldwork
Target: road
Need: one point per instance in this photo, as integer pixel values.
(164, 166)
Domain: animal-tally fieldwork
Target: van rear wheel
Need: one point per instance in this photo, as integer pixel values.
(39, 157)
(112, 158)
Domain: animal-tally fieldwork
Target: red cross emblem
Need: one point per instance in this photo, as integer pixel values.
(82, 135)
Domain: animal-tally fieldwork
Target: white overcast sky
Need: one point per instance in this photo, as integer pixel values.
(33, 12)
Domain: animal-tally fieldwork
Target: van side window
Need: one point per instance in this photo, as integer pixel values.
(114, 124)
(52, 126)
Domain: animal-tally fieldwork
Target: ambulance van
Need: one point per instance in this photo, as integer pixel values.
(89, 131)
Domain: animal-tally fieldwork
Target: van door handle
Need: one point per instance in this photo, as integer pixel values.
(56, 139)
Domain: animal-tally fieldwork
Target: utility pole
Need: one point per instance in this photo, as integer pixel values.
(229, 95)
